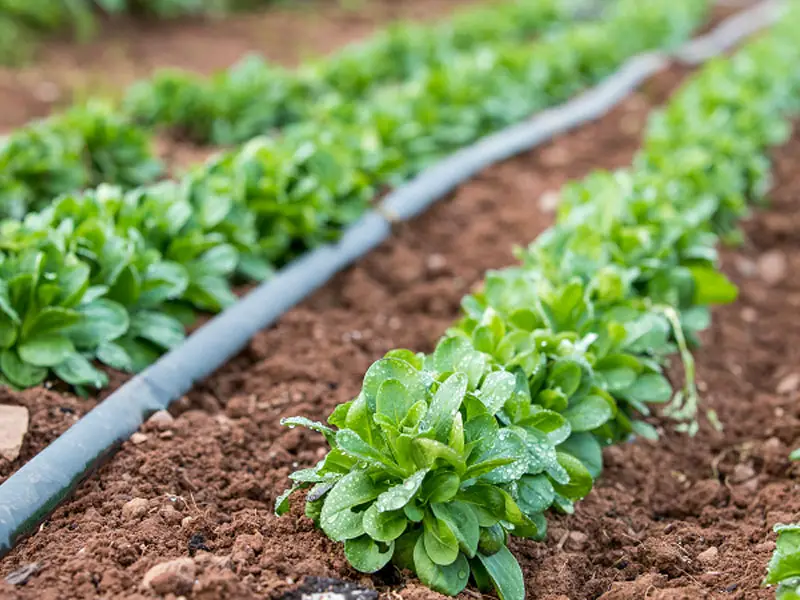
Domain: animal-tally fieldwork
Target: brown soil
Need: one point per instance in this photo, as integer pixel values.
(125, 51)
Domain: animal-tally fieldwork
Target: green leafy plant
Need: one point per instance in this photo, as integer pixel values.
(562, 355)
(422, 473)
(253, 209)
(784, 566)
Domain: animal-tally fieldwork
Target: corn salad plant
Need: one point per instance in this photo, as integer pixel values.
(251, 210)
(442, 457)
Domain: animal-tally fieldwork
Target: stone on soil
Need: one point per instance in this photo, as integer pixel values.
(134, 509)
(13, 427)
(172, 577)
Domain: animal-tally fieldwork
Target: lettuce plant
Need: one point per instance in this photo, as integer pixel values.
(422, 472)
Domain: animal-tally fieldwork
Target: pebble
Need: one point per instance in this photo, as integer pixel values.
(13, 427)
(134, 509)
(548, 201)
(161, 419)
(139, 438)
(436, 263)
(742, 473)
(772, 267)
(789, 384)
(709, 556)
(172, 577)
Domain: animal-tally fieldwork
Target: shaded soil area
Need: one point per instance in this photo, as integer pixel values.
(199, 487)
(125, 51)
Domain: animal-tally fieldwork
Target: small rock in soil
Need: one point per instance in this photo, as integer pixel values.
(323, 588)
(789, 384)
(772, 267)
(134, 509)
(709, 556)
(138, 438)
(436, 263)
(173, 577)
(549, 201)
(742, 473)
(13, 427)
(23, 574)
(161, 419)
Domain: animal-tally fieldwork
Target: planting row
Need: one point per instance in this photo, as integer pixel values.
(23, 21)
(441, 457)
(113, 275)
(100, 143)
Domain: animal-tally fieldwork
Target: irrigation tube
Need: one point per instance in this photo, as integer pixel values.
(30, 494)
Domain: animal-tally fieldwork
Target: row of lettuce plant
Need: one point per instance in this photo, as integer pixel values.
(253, 96)
(113, 276)
(101, 143)
(23, 22)
(441, 457)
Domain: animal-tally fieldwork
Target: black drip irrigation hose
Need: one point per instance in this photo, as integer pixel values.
(31, 494)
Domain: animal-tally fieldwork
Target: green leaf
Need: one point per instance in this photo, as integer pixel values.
(210, 292)
(351, 444)
(46, 350)
(164, 331)
(505, 573)
(365, 554)
(445, 405)
(162, 281)
(100, 321)
(398, 496)
(650, 388)
(588, 413)
(441, 544)
(785, 561)
(384, 526)
(449, 580)
(338, 519)
(77, 370)
(19, 372)
(712, 287)
(115, 356)
(461, 519)
(396, 369)
(220, 261)
(586, 448)
(535, 493)
(393, 401)
(497, 389)
(580, 480)
(292, 422)
(51, 319)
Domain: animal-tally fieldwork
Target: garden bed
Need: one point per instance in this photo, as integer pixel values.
(688, 518)
(125, 51)
(679, 519)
